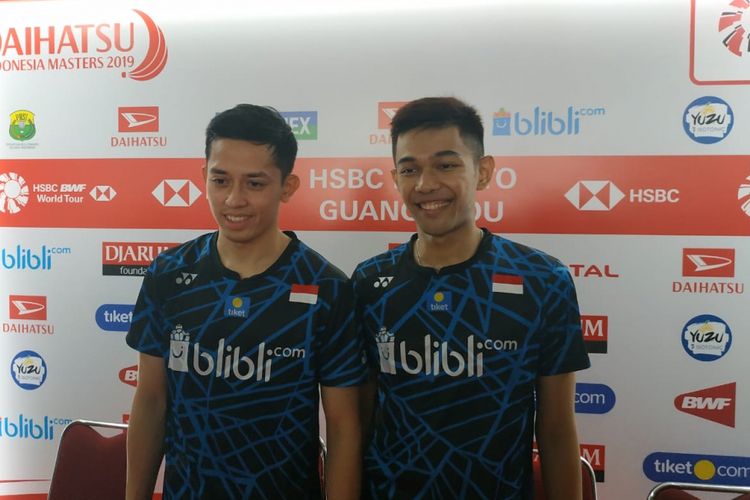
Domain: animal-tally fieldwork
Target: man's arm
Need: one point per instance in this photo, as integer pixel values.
(146, 428)
(344, 440)
(556, 437)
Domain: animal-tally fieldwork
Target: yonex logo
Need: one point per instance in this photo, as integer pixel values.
(103, 193)
(185, 278)
(176, 193)
(14, 193)
(138, 119)
(382, 281)
(743, 194)
(594, 195)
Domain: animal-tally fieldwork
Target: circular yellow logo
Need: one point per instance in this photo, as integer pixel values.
(704, 470)
(237, 302)
(439, 296)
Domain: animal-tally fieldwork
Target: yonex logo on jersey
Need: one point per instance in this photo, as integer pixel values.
(237, 307)
(185, 278)
(382, 281)
(440, 301)
(507, 283)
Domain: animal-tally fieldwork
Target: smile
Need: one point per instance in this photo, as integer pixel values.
(236, 218)
(433, 205)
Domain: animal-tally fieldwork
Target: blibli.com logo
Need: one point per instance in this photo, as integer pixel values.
(542, 122)
(594, 398)
(25, 427)
(689, 468)
(30, 259)
(439, 301)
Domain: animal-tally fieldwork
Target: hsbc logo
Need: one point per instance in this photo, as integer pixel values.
(716, 404)
(138, 119)
(129, 375)
(713, 262)
(103, 193)
(33, 307)
(176, 193)
(595, 333)
(594, 195)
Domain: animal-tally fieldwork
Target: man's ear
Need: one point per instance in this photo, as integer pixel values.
(290, 185)
(486, 168)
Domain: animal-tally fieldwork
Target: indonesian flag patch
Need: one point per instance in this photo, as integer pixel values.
(304, 294)
(507, 283)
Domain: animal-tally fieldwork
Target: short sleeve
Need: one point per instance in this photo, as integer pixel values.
(563, 349)
(343, 361)
(147, 330)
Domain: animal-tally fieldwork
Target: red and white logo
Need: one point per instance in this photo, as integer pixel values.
(32, 307)
(507, 283)
(595, 333)
(103, 193)
(129, 375)
(743, 194)
(176, 193)
(138, 119)
(594, 454)
(14, 193)
(708, 262)
(594, 195)
(386, 112)
(719, 42)
(130, 258)
(716, 404)
(732, 26)
(592, 271)
(304, 294)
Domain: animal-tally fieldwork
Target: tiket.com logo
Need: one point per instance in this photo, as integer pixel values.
(732, 27)
(542, 122)
(693, 468)
(716, 404)
(130, 258)
(176, 193)
(14, 193)
(114, 317)
(304, 124)
(708, 120)
(595, 455)
(237, 307)
(129, 375)
(22, 125)
(706, 337)
(439, 301)
(104, 46)
(29, 370)
(743, 195)
(28, 307)
(594, 398)
(595, 333)
(103, 193)
(138, 119)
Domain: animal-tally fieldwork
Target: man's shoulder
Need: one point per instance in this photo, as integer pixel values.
(379, 264)
(184, 255)
(526, 258)
(309, 260)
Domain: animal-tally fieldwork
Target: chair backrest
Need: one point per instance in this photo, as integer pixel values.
(679, 491)
(588, 479)
(90, 465)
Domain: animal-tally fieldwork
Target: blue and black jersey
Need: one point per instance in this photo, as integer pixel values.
(458, 353)
(244, 358)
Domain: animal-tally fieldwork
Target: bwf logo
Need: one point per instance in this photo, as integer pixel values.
(716, 404)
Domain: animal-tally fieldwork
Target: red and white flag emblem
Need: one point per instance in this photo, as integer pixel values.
(507, 283)
(305, 294)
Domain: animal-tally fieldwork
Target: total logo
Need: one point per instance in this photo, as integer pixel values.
(592, 271)
(30, 315)
(28, 370)
(693, 468)
(114, 317)
(712, 264)
(706, 337)
(716, 404)
(708, 120)
(594, 398)
(604, 195)
(25, 427)
(542, 122)
(14, 193)
(22, 129)
(88, 45)
(130, 258)
(135, 120)
(28, 259)
(129, 375)
(595, 333)
(176, 193)
(304, 124)
(386, 111)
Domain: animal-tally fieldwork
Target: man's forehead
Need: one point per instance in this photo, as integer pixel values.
(429, 142)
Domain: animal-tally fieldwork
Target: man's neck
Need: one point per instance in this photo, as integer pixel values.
(447, 250)
(254, 257)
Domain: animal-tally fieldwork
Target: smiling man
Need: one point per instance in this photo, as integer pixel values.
(231, 359)
(473, 339)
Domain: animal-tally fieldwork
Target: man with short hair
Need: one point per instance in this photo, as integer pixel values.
(237, 330)
(474, 338)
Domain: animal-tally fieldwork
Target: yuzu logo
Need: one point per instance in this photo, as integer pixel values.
(690, 468)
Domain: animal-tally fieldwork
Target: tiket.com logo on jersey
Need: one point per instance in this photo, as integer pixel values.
(304, 124)
(709, 263)
(226, 361)
(693, 468)
(716, 404)
(708, 120)
(237, 307)
(434, 358)
(113, 45)
(132, 123)
(604, 195)
(439, 301)
(130, 258)
(30, 315)
(542, 122)
(706, 337)
(28, 259)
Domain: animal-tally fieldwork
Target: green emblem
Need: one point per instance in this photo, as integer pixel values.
(22, 126)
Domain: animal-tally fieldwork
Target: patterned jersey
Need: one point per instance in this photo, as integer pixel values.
(458, 354)
(244, 358)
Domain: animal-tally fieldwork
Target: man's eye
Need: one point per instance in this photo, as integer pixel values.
(218, 181)
(406, 171)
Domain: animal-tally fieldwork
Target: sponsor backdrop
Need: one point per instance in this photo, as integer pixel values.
(620, 137)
